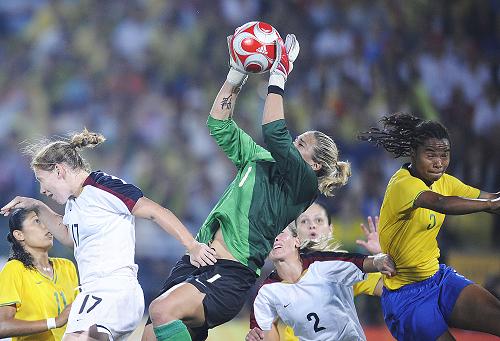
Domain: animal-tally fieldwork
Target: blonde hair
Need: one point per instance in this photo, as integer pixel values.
(45, 154)
(333, 173)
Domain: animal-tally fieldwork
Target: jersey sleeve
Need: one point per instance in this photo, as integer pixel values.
(292, 167)
(457, 188)
(234, 142)
(272, 278)
(367, 286)
(264, 310)
(11, 284)
(125, 193)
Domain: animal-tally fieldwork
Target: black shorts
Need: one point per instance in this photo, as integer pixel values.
(225, 285)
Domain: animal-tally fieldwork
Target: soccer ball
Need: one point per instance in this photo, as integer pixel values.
(253, 46)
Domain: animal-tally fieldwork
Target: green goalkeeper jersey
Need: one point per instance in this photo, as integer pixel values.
(272, 188)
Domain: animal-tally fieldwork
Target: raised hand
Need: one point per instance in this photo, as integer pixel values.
(286, 54)
(236, 76)
(19, 202)
(372, 244)
(201, 255)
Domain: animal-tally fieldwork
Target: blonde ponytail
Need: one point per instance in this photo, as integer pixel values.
(45, 154)
(333, 173)
(86, 139)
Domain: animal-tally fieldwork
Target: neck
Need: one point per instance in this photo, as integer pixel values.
(79, 178)
(289, 270)
(40, 257)
(413, 172)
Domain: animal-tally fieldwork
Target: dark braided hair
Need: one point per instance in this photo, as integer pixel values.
(18, 252)
(403, 133)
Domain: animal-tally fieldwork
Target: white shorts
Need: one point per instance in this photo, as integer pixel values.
(115, 304)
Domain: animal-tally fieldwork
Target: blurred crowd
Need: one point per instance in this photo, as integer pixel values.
(144, 73)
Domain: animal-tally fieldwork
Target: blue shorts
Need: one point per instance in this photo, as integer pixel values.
(421, 311)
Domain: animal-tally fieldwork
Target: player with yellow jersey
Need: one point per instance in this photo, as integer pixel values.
(34, 288)
(425, 298)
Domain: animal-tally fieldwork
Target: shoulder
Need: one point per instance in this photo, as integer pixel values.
(14, 266)
(63, 263)
(403, 177)
(100, 178)
(308, 259)
(115, 186)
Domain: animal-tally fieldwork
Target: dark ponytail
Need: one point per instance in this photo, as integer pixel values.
(403, 132)
(18, 252)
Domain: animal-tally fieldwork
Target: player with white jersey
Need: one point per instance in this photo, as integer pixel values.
(99, 223)
(313, 292)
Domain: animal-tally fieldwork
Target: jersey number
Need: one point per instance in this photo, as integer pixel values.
(59, 301)
(75, 234)
(97, 300)
(314, 316)
(432, 217)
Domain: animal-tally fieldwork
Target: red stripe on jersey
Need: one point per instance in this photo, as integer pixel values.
(318, 256)
(129, 202)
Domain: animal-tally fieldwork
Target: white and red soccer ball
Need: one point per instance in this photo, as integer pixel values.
(253, 46)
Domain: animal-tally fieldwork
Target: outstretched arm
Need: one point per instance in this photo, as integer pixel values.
(457, 205)
(51, 219)
(200, 254)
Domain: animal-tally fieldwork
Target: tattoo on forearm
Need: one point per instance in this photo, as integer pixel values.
(226, 102)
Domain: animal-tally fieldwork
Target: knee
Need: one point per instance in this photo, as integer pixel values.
(162, 311)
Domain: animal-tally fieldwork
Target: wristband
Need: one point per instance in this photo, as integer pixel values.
(236, 78)
(51, 323)
(273, 89)
(277, 80)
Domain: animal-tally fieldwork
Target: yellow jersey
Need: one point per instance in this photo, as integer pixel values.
(407, 233)
(366, 287)
(36, 296)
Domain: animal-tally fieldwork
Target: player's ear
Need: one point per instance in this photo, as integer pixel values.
(296, 242)
(60, 170)
(18, 235)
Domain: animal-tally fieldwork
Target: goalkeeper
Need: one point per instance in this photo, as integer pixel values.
(272, 187)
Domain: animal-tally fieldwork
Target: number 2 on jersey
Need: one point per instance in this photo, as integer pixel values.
(317, 327)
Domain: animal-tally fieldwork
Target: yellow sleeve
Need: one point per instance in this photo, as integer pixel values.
(457, 188)
(286, 333)
(368, 285)
(11, 283)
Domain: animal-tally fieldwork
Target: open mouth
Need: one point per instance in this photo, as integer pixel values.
(275, 247)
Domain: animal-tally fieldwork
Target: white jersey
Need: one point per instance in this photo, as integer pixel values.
(103, 228)
(320, 306)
